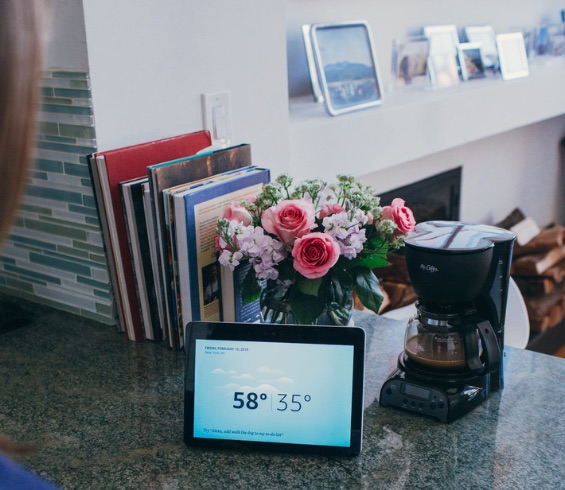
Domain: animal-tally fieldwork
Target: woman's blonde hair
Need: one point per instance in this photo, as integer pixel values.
(20, 68)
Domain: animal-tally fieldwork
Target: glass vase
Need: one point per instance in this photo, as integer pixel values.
(275, 307)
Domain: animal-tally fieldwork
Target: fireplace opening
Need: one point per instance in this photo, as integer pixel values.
(435, 198)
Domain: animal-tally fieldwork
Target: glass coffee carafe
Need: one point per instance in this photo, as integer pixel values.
(439, 341)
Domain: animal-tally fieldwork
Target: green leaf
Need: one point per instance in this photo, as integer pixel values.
(368, 289)
(309, 286)
(250, 287)
(373, 261)
(305, 307)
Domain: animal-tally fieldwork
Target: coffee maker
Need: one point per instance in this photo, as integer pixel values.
(454, 344)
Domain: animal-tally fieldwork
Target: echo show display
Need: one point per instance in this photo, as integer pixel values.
(286, 388)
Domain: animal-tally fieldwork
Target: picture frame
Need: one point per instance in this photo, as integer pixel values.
(487, 38)
(443, 38)
(471, 61)
(512, 54)
(410, 62)
(343, 67)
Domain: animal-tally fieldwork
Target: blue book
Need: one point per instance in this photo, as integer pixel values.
(198, 267)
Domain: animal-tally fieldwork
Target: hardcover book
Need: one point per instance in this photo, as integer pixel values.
(134, 213)
(197, 259)
(176, 172)
(108, 169)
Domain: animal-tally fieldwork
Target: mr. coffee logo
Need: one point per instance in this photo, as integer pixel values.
(429, 268)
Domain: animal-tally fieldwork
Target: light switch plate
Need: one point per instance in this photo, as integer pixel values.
(216, 112)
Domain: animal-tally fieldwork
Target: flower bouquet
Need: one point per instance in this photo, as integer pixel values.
(311, 246)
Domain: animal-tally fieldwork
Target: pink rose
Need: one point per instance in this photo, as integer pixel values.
(289, 219)
(235, 211)
(401, 215)
(330, 209)
(315, 254)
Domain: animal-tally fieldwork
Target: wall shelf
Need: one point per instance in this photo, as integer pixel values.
(414, 123)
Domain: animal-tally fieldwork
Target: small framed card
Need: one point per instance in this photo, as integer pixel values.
(470, 61)
(343, 66)
(513, 57)
(410, 61)
(442, 38)
(486, 37)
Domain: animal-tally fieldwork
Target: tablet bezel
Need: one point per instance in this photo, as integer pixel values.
(301, 334)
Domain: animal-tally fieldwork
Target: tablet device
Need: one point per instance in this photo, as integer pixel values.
(274, 387)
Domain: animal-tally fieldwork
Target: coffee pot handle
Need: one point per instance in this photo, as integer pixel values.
(491, 350)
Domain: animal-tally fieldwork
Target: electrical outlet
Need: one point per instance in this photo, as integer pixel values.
(216, 113)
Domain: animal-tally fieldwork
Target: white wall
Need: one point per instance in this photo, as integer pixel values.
(150, 60)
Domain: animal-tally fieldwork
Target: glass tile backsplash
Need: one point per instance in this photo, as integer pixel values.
(55, 253)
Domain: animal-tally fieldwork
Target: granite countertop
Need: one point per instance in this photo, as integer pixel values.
(106, 413)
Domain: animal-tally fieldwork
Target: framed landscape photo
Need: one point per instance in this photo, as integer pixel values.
(513, 57)
(410, 62)
(470, 61)
(345, 66)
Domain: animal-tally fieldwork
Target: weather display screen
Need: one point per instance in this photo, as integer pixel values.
(275, 392)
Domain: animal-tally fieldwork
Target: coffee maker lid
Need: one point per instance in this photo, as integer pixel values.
(456, 236)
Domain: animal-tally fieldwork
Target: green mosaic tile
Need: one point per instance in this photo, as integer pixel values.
(34, 276)
(79, 84)
(47, 127)
(105, 317)
(57, 101)
(78, 226)
(72, 93)
(86, 183)
(106, 310)
(76, 170)
(39, 175)
(91, 282)
(70, 74)
(84, 211)
(58, 263)
(59, 109)
(72, 252)
(54, 229)
(19, 285)
(100, 259)
(36, 209)
(71, 130)
(46, 92)
(49, 165)
(7, 260)
(92, 221)
(89, 201)
(64, 148)
(32, 242)
(102, 294)
(54, 194)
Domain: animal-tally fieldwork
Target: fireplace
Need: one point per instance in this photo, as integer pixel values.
(434, 198)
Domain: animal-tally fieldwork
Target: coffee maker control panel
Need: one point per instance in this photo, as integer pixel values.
(445, 404)
(427, 400)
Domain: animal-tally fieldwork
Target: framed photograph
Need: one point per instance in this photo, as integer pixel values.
(486, 37)
(471, 61)
(410, 62)
(442, 38)
(343, 66)
(513, 57)
(444, 69)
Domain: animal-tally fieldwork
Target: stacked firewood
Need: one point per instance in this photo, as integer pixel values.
(538, 267)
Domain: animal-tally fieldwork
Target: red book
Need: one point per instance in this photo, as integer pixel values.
(108, 169)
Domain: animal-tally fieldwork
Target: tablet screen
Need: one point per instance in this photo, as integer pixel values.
(275, 387)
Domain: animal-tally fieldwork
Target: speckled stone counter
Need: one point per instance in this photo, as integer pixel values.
(106, 413)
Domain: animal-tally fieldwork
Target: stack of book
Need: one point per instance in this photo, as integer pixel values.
(158, 203)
